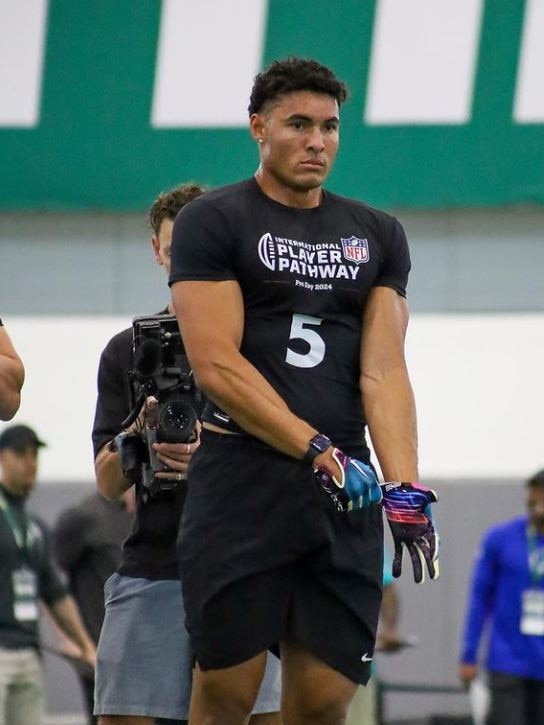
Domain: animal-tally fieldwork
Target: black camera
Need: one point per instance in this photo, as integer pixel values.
(160, 369)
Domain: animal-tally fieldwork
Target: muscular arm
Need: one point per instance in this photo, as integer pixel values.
(386, 390)
(211, 319)
(12, 376)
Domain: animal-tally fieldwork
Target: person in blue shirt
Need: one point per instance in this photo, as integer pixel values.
(507, 598)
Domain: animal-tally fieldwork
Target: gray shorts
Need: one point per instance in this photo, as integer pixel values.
(144, 659)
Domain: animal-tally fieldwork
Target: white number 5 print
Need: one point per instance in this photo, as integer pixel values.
(300, 330)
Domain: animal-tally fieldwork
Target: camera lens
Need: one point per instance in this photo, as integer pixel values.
(177, 422)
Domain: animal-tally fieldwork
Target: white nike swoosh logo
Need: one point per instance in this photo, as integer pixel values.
(366, 658)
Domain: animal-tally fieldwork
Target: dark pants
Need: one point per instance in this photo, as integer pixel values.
(515, 700)
(87, 685)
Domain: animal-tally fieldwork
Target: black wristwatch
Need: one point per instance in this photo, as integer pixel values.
(319, 444)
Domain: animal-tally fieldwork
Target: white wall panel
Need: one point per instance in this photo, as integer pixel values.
(209, 52)
(423, 61)
(529, 101)
(477, 380)
(22, 34)
(61, 361)
(479, 391)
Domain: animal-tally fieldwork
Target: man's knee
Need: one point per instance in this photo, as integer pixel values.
(222, 698)
(317, 711)
(227, 695)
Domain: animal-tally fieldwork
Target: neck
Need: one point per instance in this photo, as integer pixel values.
(298, 198)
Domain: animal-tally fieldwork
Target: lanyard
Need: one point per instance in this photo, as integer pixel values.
(23, 536)
(536, 556)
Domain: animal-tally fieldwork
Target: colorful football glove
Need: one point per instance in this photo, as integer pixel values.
(408, 510)
(353, 486)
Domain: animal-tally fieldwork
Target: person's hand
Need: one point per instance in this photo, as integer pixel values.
(467, 673)
(88, 656)
(408, 510)
(82, 658)
(149, 414)
(176, 457)
(350, 483)
(68, 648)
(388, 640)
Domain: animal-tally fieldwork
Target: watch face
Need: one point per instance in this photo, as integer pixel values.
(320, 443)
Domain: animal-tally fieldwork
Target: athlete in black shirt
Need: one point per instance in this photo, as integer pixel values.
(144, 660)
(291, 302)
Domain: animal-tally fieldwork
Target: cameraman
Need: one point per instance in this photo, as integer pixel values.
(12, 375)
(144, 661)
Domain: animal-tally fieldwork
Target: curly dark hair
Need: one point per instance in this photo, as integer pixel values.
(294, 74)
(168, 203)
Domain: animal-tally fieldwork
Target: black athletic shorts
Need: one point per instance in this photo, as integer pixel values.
(264, 556)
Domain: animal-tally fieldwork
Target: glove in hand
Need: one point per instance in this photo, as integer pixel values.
(408, 510)
(354, 486)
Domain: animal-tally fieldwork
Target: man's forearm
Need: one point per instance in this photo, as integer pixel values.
(480, 594)
(66, 616)
(391, 416)
(12, 375)
(109, 475)
(10, 396)
(244, 394)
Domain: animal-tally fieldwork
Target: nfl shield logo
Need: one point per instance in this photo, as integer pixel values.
(355, 250)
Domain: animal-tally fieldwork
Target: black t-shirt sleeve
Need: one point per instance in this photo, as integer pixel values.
(51, 587)
(113, 400)
(70, 538)
(202, 247)
(396, 262)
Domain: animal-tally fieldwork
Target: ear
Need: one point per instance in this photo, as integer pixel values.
(156, 249)
(257, 127)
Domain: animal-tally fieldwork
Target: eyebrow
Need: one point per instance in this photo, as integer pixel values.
(302, 117)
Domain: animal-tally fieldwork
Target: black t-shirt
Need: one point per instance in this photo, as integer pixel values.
(150, 549)
(87, 543)
(305, 275)
(38, 557)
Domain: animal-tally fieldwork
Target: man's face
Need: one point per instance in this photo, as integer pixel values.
(19, 470)
(299, 133)
(535, 506)
(162, 243)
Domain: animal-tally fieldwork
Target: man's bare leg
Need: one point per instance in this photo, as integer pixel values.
(312, 692)
(265, 718)
(227, 696)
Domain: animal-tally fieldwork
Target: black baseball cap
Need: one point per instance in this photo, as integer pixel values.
(19, 438)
